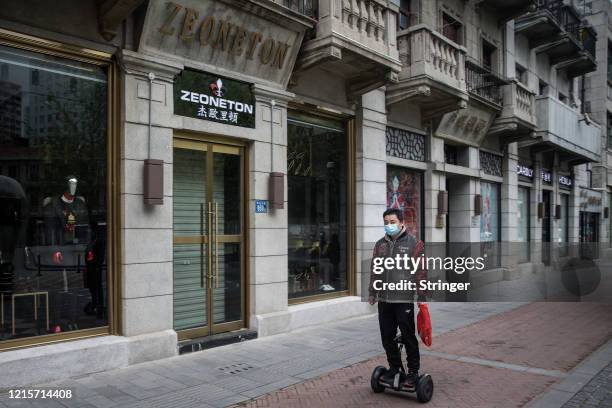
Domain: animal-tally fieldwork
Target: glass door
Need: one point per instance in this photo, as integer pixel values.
(208, 238)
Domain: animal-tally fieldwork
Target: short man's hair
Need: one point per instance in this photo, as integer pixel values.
(396, 212)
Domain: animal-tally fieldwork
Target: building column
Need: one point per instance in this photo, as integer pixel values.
(435, 181)
(574, 204)
(268, 234)
(146, 230)
(371, 181)
(509, 197)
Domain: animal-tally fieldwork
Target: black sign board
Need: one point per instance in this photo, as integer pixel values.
(565, 182)
(524, 171)
(211, 97)
(547, 176)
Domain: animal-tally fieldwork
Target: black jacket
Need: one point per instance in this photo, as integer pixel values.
(405, 243)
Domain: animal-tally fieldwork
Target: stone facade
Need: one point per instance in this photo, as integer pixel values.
(464, 77)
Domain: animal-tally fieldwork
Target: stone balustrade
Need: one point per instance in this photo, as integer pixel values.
(524, 101)
(424, 52)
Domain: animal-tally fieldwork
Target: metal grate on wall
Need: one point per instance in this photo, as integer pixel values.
(491, 163)
(405, 144)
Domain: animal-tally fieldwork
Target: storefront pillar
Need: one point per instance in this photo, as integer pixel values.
(573, 212)
(536, 228)
(435, 181)
(509, 197)
(146, 233)
(370, 185)
(267, 237)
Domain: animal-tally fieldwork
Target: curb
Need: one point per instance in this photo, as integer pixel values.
(580, 376)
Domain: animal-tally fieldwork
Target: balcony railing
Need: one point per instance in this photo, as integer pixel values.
(433, 72)
(524, 102)
(365, 16)
(484, 82)
(354, 38)
(553, 6)
(518, 116)
(565, 15)
(565, 128)
(425, 52)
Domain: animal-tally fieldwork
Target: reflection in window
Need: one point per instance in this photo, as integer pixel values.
(562, 225)
(490, 232)
(522, 213)
(53, 196)
(317, 177)
(404, 192)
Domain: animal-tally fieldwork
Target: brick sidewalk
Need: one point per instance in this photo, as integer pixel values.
(508, 360)
(227, 375)
(553, 336)
(456, 384)
(330, 365)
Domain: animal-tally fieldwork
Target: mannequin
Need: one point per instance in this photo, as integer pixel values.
(66, 216)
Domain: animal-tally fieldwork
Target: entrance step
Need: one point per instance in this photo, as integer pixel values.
(216, 340)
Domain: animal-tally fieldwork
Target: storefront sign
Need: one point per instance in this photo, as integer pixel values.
(223, 37)
(590, 201)
(210, 97)
(468, 125)
(524, 171)
(565, 182)
(547, 176)
(261, 206)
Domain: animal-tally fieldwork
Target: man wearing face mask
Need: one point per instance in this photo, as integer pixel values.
(396, 308)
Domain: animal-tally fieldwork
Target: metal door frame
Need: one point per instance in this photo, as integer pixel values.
(211, 145)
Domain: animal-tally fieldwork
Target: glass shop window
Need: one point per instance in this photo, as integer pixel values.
(53, 197)
(317, 206)
(490, 220)
(523, 224)
(405, 192)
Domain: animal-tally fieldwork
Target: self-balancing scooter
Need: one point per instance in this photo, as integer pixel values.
(423, 388)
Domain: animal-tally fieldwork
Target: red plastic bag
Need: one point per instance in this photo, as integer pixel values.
(424, 324)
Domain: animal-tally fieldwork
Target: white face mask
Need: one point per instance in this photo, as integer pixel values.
(72, 186)
(392, 229)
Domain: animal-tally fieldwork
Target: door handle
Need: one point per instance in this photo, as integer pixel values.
(216, 275)
(201, 245)
(210, 252)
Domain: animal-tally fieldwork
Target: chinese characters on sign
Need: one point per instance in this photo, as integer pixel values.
(209, 97)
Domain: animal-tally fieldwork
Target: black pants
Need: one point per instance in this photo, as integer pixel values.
(390, 316)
